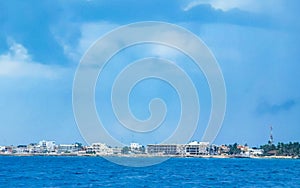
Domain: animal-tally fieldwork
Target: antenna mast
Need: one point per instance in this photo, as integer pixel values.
(271, 135)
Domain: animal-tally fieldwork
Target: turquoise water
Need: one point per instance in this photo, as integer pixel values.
(176, 172)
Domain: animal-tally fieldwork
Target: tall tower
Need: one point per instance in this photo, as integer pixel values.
(271, 135)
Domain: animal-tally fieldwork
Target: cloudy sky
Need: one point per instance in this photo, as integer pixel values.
(256, 44)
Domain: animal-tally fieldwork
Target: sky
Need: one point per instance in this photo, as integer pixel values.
(256, 44)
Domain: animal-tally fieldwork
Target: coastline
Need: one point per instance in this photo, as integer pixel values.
(150, 156)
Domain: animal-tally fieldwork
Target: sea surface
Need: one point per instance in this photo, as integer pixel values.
(47, 171)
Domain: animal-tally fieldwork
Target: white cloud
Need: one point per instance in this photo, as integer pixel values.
(89, 33)
(164, 52)
(247, 5)
(17, 62)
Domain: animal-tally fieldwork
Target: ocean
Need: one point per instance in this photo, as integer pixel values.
(44, 171)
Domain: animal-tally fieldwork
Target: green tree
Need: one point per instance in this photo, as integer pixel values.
(267, 148)
(142, 149)
(233, 149)
(78, 145)
(125, 150)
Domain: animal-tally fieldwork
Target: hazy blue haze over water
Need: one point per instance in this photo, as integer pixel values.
(179, 172)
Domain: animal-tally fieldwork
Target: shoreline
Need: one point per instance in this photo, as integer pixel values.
(150, 156)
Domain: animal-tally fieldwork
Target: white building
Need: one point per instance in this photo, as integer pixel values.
(67, 148)
(164, 149)
(34, 148)
(2, 149)
(197, 148)
(101, 149)
(135, 146)
(20, 149)
(255, 152)
(47, 145)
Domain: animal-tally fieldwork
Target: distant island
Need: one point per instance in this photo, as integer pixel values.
(192, 149)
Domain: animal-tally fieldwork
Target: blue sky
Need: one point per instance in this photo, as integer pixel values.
(255, 43)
